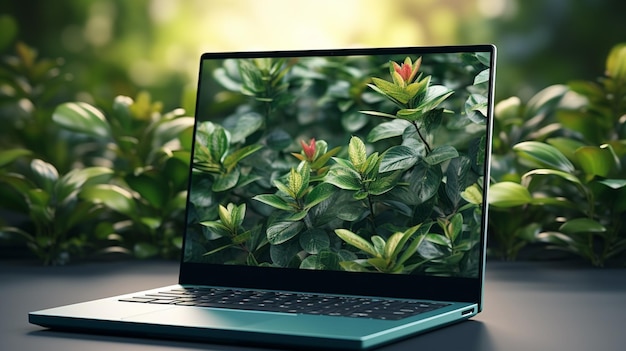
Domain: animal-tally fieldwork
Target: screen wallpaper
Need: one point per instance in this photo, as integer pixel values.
(354, 163)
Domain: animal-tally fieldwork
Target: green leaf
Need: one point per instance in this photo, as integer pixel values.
(325, 260)
(384, 184)
(387, 130)
(79, 177)
(616, 63)
(543, 155)
(280, 232)
(243, 126)
(391, 90)
(357, 154)
(391, 246)
(595, 161)
(9, 156)
(112, 196)
(218, 144)
(582, 225)
(318, 194)
(527, 177)
(441, 154)
(473, 194)
(232, 159)
(170, 130)
(613, 183)
(314, 241)
(398, 157)
(45, 174)
(274, 201)
(344, 178)
(435, 95)
(226, 181)
(454, 227)
(82, 118)
(482, 77)
(546, 99)
(379, 114)
(567, 146)
(508, 194)
(439, 240)
(153, 189)
(356, 241)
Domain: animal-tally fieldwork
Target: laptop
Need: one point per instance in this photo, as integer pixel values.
(336, 200)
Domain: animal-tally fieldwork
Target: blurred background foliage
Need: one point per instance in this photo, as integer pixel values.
(103, 52)
(113, 47)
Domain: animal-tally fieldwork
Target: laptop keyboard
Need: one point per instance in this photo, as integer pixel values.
(357, 307)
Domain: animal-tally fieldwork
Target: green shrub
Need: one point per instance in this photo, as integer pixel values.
(565, 184)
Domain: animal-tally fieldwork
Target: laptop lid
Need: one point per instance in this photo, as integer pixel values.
(358, 171)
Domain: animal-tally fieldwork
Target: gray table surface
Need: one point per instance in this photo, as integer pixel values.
(528, 306)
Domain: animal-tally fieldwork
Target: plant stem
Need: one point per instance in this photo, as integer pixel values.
(428, 149)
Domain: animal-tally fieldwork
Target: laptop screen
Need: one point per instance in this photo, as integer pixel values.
(359, 161)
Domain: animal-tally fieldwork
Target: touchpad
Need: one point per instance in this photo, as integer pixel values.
(203, 317)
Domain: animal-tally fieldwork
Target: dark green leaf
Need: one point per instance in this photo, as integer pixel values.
(280, 232)
(8, 156)
(441, 154)
(387, 130)
(226, 181)
(314, 241)
(582, 225)
(318, 194)
(398, 158)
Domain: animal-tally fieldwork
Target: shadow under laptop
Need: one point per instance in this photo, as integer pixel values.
(470, 335)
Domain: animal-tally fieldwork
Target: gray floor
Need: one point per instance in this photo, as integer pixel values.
(529, 306)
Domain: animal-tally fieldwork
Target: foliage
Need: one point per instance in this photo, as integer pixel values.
(576, 175)
(149, 155)
(368, 203)
(73, 177)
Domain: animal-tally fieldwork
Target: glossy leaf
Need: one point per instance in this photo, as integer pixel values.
(508, 194)
(318, 194)
(280, 232)
(356, 241)
(45, 174)
(595, 161)
(344, 178)
(274, 201)
(543, 155)
(82, 118)
(398, 157)
(357, 154)
(582, 225)
(387, 130)
(314, 241)
(441, 154)
(112, 196)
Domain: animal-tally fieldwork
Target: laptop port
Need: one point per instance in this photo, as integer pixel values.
(466, 312)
